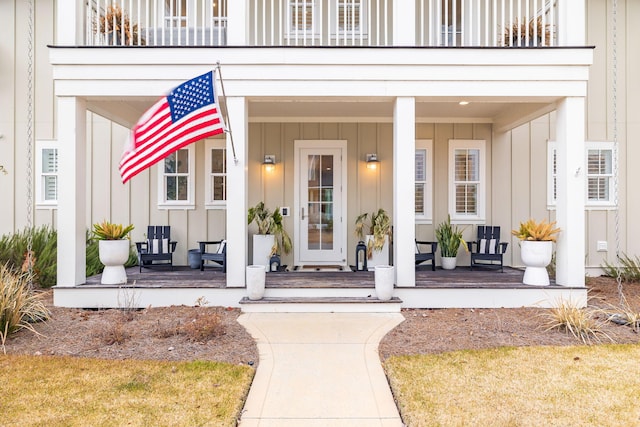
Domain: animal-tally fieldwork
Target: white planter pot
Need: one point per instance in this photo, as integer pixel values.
(536, 256)
(380, 257)
(384, 278)
(262, 244)
(256, 275)
(113, 254)
(449, 263)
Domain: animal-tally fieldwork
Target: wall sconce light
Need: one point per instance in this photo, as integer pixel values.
(269, 162)
(372, 161)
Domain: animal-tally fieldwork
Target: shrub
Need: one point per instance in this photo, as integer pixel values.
(629, 268)
(44, 242)
(114, 332)
(13, 253)
(19, 306)
(204, 327)
(582, 323)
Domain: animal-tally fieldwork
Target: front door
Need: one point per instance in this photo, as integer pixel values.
(320, 202)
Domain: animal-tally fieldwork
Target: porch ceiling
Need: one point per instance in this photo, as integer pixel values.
(126, 111)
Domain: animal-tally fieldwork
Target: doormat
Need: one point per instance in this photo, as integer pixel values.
(322, 268)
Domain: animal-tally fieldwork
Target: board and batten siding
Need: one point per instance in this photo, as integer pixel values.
(367, 190)
(516, 160)
(528, 143)
(14, 64)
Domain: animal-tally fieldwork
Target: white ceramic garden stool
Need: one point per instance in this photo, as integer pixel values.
(384, 277)
(256, 276)
(536, 256)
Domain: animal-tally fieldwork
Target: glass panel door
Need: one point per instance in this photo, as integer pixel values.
(320, 175)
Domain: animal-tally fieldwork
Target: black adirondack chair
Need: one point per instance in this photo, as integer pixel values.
(426, 251)
(158, 249)
(487, 250)
(218, 255)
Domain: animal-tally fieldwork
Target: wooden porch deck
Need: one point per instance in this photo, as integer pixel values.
(319, 290)
(185, 277)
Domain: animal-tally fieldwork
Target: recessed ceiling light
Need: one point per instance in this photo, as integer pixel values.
(463, 103)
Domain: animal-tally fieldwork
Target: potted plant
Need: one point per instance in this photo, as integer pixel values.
(375, 231)
(449, 240)
(113, 250)
(519, 31)
(115, 24)
(536, 249)
(272, 238)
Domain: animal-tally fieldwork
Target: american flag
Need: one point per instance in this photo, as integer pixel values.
(188, 114)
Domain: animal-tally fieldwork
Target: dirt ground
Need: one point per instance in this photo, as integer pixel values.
(213, 333)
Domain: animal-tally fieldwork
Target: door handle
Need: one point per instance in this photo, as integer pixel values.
(302, 209)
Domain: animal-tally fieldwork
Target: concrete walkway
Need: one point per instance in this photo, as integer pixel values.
(319, 369)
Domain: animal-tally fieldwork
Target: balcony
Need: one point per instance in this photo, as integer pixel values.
(444, 23)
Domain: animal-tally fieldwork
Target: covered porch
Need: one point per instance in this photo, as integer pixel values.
(320, 291)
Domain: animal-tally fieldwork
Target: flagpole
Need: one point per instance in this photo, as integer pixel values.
(226, 113)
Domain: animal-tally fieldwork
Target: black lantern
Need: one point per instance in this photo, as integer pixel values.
(274, 263)
(361, 256)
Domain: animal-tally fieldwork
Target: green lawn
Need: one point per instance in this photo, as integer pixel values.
(89, 392)
(527, 386)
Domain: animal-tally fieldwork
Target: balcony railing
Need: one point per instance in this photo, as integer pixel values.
(156, 22)
(449, 23)
(512, 23)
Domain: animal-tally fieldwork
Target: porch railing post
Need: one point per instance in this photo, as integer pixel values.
(404, 24)
(237, 22)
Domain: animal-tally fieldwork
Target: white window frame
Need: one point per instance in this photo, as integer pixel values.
(41, 202)
(552, 148)
(163, 203)
(294, 33)
(213, 144)
(426, 145)
(363, 29)
(468, 144)
(601, 146)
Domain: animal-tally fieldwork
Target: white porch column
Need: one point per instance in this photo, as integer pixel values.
(237, 22)
(72, 195)
(69, 12)
(404, 23)
(571, 23)
(570, 250)
(237, 193)
(404, 190)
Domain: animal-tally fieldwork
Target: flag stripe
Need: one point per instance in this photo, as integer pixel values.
(159, 152)
(152, 141)
(188, 114)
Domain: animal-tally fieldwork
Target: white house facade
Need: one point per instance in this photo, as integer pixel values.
(428, 86)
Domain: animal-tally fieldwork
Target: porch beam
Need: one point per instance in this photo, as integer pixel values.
(404, 217)
(236, 234)
(72, 206)
(570, 162)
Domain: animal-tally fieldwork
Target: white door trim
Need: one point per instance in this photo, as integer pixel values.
(302, 144)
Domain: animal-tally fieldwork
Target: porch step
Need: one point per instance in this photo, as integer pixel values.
(320, 305)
